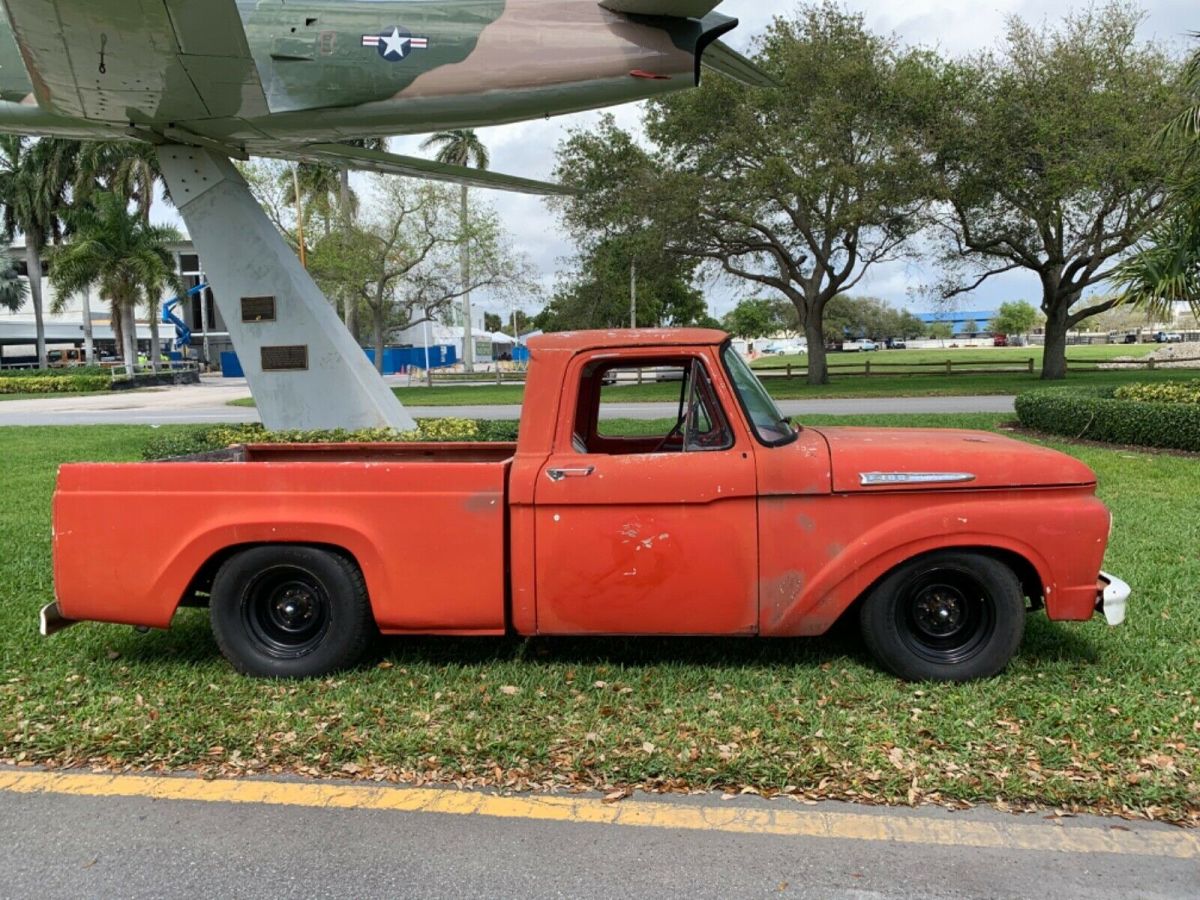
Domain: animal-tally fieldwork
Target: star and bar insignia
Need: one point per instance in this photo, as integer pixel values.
(395, 45)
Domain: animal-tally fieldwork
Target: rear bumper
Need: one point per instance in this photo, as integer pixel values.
(53, 621)
(1111, 594)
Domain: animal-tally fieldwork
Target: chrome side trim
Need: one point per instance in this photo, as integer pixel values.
(52, 621)
(1112, 599)
(877, 478)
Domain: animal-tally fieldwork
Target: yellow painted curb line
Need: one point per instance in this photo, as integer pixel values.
(635, 813)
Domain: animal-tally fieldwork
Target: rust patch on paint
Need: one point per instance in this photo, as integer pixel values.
(805, 523)
(833, 551)
(482, 502)
(779, 595)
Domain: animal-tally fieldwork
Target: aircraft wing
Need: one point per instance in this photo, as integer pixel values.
(138, 61)
(415, 167)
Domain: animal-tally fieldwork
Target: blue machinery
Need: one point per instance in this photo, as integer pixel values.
(183, 334)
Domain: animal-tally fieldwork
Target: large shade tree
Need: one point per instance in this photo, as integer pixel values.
(800, 188)
(597, 293)
(398, 259)
(113, 249)
(462, 147)
(1043, 161)
(35, 177)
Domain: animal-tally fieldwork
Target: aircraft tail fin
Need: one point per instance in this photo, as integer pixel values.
(694, 25)
(674, 9)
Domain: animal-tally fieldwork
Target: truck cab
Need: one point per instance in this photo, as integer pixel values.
(727, 519)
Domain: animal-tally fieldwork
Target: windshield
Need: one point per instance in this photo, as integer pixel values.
(769, 423)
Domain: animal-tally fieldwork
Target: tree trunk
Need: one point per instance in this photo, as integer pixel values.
(814, 333)
(117, 326)
(33, 263)
(89, 346)
(465, 259)
(377, 328)
(155, 343)
(350, 301)
(129, 337)
(1054, 356)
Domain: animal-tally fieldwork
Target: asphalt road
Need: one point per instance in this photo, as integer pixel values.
(132, 847)
(208, 404)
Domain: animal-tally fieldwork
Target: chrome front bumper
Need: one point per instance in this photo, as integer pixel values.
(1111, 594)
(53, 621)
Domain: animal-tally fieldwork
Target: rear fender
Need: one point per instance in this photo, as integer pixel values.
(222, 539)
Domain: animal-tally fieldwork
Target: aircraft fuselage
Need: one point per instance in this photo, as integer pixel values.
(342, 69)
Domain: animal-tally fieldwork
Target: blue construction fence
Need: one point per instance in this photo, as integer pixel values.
(396, 360)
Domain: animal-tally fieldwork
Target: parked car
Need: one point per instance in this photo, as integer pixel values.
(895, 344)
(999, 340)
(732, 521)
(1168, 337)
(62, 359)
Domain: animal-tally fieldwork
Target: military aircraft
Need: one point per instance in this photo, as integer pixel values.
(211, 80)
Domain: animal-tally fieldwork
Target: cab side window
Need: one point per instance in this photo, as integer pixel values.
(697, 424)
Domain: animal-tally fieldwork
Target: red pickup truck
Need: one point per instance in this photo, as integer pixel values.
(728, 521)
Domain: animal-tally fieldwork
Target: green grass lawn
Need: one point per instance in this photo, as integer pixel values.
(1081, 355)
(919, 385)
(1087, 716)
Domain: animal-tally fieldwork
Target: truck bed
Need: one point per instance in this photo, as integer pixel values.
(457, 452)
(426, 523)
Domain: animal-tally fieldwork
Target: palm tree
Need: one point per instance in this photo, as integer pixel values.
(322, 187)
(318, 187)
(13, 290)
(34, 176)
(1166, 270)
(462, 147)
(128, 169)
(114, 249)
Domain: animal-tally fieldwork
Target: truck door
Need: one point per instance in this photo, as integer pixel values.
(653, 532)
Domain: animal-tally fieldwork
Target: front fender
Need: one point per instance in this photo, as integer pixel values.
(845, 544)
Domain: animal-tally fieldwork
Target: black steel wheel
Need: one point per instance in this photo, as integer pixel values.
(948, 616)
(287, 609)
(290, 612)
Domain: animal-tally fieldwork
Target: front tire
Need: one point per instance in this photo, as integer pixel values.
(290, 612)
(948, 616)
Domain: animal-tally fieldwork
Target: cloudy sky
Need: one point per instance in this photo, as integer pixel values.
(953, 26)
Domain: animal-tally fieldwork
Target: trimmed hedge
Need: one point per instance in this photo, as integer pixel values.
(218, 437)
(1098, 415)
(53, 384)
(1168, 392)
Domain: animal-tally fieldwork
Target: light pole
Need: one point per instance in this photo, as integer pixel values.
(633, 293)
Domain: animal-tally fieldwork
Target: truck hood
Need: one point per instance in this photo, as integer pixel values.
(908, 459)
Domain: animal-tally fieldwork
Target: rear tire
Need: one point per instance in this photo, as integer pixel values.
(948, 616)
(290, 612)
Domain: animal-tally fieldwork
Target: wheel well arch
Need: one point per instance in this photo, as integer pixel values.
(1026, 572)
(197, 592)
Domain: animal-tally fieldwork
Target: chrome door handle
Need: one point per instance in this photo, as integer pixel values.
(560, 474)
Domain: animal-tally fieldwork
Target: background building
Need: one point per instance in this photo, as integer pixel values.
(64, 329)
